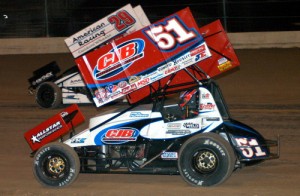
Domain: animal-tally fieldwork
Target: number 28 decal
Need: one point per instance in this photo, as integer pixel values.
(251, 147)
(169, 34)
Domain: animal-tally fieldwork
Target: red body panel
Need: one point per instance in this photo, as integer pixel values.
(53, 128)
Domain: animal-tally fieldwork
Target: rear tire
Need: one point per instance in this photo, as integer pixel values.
(56, 165)
(48, 95)
(206, 160)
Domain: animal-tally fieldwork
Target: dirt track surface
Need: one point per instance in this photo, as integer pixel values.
(263, 93)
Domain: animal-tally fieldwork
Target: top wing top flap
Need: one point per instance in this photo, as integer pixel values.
(117, 24)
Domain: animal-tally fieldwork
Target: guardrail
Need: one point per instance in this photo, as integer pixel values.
(285, 39)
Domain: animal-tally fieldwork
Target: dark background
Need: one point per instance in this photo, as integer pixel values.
(61, 18)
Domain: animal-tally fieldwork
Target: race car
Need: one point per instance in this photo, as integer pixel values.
(186, 129)
(51, 90)
(195, 137)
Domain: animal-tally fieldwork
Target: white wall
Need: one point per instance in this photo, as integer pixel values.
(287, 39)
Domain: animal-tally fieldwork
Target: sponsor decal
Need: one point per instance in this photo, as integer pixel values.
(182, 59)
(163, 67)
(143, 82)
(172, 69)
(78, 140)
(201, 50)
(205, 96)
(138, 114)
(173, 126)
(120, 135)
(90, 34)
(190, 125)
(119, 59)
(178, 132)
(129, 89)
(101, 94)
(115, 94)
(150, 74)
(63, 114)
(191, 178)
(207, 106)
(200, 53)
(46, 132)
(111, 88)
(212, 143)
(169, 155)
(122, 84)
(134, 79)
(43, 78)
(224, 64)
(157, 77)
(76, 81)
(212, 119)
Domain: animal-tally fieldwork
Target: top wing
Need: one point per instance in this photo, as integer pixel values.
(143, 57)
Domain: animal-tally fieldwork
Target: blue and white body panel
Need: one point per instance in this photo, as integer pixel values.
(146, 124)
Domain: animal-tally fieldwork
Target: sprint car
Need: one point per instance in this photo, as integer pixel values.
(52, 90)
(195, 137)
(187, 128)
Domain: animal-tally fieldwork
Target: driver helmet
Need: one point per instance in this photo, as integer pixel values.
(186, 96)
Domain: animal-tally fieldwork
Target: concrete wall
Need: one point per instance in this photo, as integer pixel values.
(285, 39)
(288, 39)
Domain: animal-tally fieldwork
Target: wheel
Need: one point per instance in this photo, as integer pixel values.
(48, 95)
(56, 165)
(206, 160)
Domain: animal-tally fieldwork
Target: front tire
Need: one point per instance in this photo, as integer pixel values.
(48, 95)
(56, 165)
(206, 160)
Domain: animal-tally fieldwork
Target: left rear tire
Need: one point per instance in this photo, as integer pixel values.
(48, 95)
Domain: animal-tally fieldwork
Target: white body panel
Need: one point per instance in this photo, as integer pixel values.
(68, 84)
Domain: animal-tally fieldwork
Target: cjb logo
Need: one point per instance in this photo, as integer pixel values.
(119, 58)
(120, 135)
